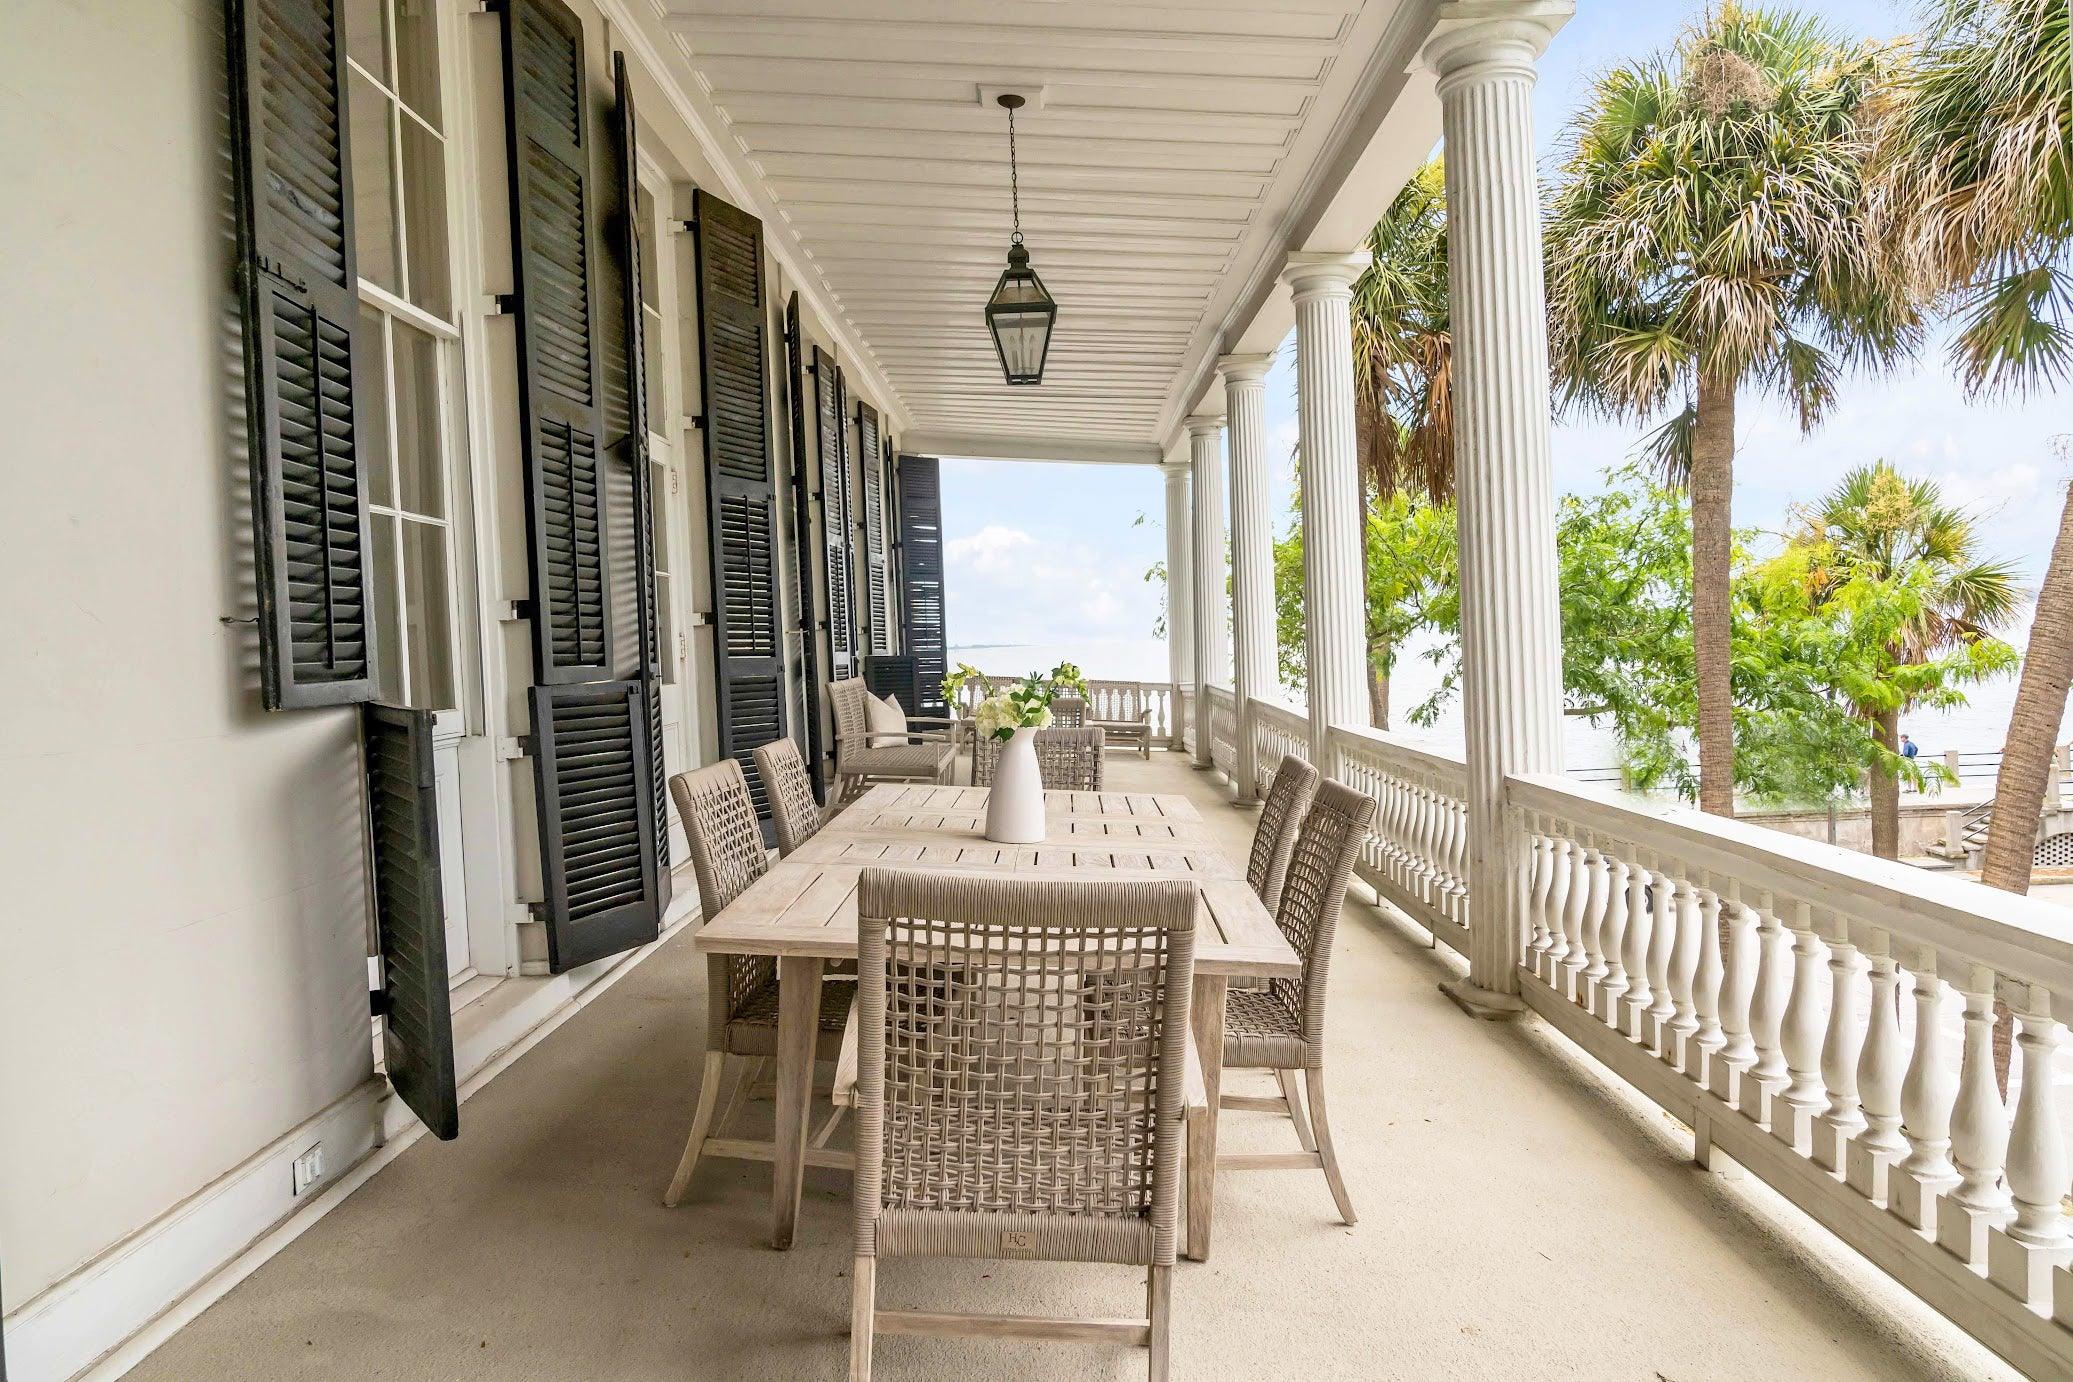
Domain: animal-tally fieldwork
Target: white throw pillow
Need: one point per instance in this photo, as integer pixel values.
(884, 718)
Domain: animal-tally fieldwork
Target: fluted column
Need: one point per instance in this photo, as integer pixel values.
(1335, 645)
(1252, 551)
(1503, 477)
(1180, 591)
(1212, 591)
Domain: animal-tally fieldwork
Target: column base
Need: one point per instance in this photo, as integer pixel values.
(1487, 1004)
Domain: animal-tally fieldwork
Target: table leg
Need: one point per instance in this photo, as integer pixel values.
(798, 1022)
(1207, 1019)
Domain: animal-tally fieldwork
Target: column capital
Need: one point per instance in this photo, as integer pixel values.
(1244, 369)
(1203, 425)
(1323, 273)
(1498, 35)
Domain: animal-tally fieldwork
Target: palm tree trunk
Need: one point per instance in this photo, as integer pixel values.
(2027, 753)
(1378, 685)
(1885, 788)
(1712, 492)
(2033, 727)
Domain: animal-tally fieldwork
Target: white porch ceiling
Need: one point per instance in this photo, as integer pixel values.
(1180, 147)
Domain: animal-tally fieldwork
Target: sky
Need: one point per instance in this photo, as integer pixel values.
(1054, 554)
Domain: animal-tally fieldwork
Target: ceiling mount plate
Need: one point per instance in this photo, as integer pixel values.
(1032, 96)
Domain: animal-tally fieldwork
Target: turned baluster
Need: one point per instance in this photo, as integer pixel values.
(2022, 1259)
(1843, 1118)
(1612, 934)
(1662, 943)
(1737, 987)
(1557, 902)
(1640, 927)
(1766, 1073)
(1594, 921)
(1427, 844)
(1708, 1037)
(1400, 816)
(1979, 1131)
(1543, 876)
(1925, 1107)
(1799, 1039)
(1879, 1073)
(1457, 851)
(1579, 901)
(1684, 969)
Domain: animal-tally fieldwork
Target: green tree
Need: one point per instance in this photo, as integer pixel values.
(1905, 606)
(1707, 236)
(1972, 186)
(1403, 346)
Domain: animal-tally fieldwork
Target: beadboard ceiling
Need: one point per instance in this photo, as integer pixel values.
(1174, 146)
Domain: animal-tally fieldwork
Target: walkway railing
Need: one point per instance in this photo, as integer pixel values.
(1752, 984)
(1223, 728)
(1276, 731)
(1417, 851)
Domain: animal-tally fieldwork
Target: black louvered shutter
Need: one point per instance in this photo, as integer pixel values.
(835, 516)
(803, 545)
(877, 592)
(597, 825)
(638, 458)
(299, 294)
(741, 499)
(410, 914)
(921, 573)
(559, 385)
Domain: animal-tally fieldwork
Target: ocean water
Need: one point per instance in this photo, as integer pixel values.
(1976, 728)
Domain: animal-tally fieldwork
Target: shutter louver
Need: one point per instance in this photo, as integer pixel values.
(876, 590)
(802, 548)
(558, 376)
(741, 498)
(835, 515)
(410, 914)
(921, 572)
(299, 297)
(591, 765)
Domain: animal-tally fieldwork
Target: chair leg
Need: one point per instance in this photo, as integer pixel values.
(701, 1126)
(863, 1315)
(1159, 1295)
(1313, 1081)
(1295, 1109)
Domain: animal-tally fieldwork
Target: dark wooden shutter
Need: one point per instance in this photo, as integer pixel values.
(921, 571)
(637, 456)
(559, 385)
(870, 458)
(410, 914)
(835, 515)
(803, 547)
(597, 826)
(299, 294)
(741, 498)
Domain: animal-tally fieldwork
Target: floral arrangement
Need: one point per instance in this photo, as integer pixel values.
(1067, 680)
(954, 684)
(1025, 705)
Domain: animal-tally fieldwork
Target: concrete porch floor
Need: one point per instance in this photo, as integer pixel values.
(1521, 1217)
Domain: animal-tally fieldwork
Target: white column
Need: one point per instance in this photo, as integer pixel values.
(1252, 550)
(1180, 592)
(1212, 599)
(1503, 477)
(1334, 587)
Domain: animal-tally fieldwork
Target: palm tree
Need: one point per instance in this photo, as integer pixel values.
(1707, 236)
(1403, 370)
(1881, 527)
(1972, 187)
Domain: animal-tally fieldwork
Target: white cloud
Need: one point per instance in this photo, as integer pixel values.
(1007, 585)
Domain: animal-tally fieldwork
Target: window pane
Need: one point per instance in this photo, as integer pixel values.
(645, 219)
(420, 452)
(424, 214)
(363, 35)
(374, 186)
(431, 630)
(665, 628)
(388, 615)
(417, 57)
(381, 487)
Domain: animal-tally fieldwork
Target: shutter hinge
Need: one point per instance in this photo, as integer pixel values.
(490, 7)
(520, 609)
(503, 304)
(688, 227)
(514, 746)
(377, 1002)
(696, 421)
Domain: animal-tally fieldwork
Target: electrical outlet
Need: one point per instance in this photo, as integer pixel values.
(308, 1168)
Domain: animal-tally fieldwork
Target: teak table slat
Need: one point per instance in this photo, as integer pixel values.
(804, 912)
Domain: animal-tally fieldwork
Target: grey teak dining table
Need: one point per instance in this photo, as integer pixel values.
(804, 912)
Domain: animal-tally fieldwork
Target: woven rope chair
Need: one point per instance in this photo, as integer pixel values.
(1019, 1084)
(727, 855)
(1068, 760)
(1295, 783)
(1068, 712)
(1281, 1027)
(789, 790)
(863, 758)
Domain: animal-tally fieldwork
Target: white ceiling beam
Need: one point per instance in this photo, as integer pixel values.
(764, 34)
(1014, 447)
(766, 119)
(1319, 17)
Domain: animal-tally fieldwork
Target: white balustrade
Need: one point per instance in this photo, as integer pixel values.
(1416, 857)
(1277, 732)
(1223, 728)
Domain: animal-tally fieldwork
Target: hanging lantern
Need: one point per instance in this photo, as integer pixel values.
(1020, 313)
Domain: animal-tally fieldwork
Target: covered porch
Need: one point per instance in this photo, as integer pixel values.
(1522, 1215)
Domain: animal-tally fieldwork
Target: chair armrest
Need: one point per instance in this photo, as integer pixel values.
(845, 1095)
(880, 738)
